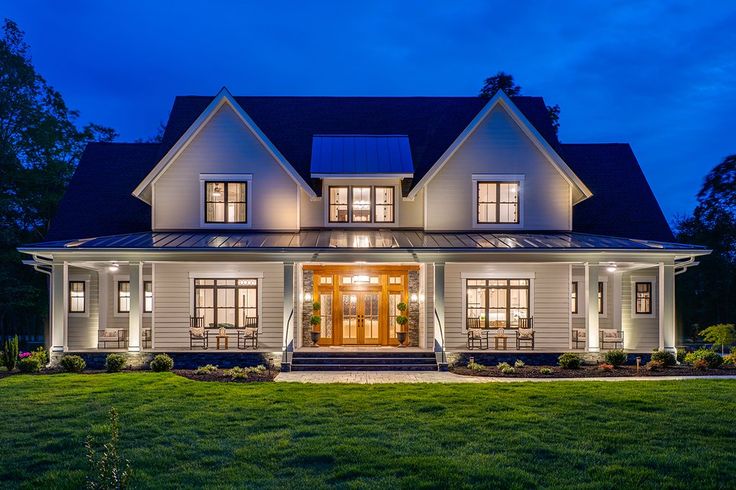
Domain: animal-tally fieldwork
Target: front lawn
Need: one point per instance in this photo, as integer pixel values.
(178, 432)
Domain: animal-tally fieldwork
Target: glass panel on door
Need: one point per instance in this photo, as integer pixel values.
(370, 318)
(350, 318)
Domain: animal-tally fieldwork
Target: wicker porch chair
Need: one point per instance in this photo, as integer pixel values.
(248, 333)
(525, 334)
(476, 335)
(197, 333)
(612, 337)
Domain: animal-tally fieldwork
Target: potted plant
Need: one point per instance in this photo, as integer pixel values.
(401, 320)
(314, 321)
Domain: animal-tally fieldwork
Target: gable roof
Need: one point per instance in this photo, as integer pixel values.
(361, 154)
(99, 199)
(502, 100)
(220, 100)
(430, 123)
(623, 204)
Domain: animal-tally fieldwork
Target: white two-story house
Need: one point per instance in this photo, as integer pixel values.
(470, 212)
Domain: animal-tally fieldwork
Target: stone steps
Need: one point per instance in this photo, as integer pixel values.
(363, 361)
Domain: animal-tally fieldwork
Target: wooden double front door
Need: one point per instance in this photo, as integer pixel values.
(359, 306)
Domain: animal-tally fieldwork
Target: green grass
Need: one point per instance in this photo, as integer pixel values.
(177, 432)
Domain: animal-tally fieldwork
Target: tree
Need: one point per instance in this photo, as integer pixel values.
(706, 295)
(722, 334)
(505, 81)
(40, 145)
(500, 81)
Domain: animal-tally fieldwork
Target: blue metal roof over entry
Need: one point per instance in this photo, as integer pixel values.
(340, 154)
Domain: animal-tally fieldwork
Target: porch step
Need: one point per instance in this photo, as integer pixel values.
(363, 361)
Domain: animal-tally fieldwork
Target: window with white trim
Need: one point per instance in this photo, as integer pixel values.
(227, 303)
(496, 303)
(77, 297)
(226, 202)
(497, 202)
(643, 297)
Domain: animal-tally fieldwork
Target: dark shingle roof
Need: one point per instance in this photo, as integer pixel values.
(431, 123)
(98, 200)
(623, 204)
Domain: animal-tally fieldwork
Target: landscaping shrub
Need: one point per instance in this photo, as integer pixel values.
(730, 359)
(10, 353)
(259, 369)
(681, 353)
(700, 364)
(667, 358)
(42, 355)
(475, 366)
(570, 360)
(114, 363)
(545, 370)
(236, 373)
(507, 370)
(29, 364)
(519, 363)
(616, 357)
(206, 369)
(161, 363)
(654, 365)
(604, 366)
(110, 469)
(711, 359)
(503, 365)
(72, 364)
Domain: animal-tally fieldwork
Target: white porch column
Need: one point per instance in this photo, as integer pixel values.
(59, 305)
(289, 313)
(135, 318)
(438, 316)
(617, 303)
(666, 307)
(590, 307)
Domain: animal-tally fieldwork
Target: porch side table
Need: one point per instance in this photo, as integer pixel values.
(503, 341)
(221, 340)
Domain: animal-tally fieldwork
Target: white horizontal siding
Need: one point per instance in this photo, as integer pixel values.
(82, 330)
(498, 146)
(173, 300)
(550, 302)
(640, 334)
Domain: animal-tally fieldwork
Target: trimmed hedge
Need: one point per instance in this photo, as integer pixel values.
(570, 360)
(72, 364)
(161, 363)
(114, 363)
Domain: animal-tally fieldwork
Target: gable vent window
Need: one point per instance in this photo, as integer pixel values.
(226, 202)
(498, 202)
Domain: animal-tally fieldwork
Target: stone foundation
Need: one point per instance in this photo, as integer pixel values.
(533, 358)
(182, 360)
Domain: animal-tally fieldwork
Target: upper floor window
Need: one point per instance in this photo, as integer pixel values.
(226, 202)
(361, 204)
(498, 202)
(77, 297)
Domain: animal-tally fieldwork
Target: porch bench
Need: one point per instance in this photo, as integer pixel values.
(108, 335)
(612, 337)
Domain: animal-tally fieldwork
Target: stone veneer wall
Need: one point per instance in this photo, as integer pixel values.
(308, 281)
(413, 337)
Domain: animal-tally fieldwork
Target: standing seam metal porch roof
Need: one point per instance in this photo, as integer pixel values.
(355, 239)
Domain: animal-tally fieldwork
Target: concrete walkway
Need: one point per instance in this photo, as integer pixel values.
(377, 377)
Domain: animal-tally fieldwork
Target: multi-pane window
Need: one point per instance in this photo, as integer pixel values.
(338, 205)
(226, 202)
(77, 297)
(574, 298)
(361, 204)
(643, 298)
(227, 303)
(498, 202)
(123, 297)
(600, 298)
(384, 207)
(497, 303)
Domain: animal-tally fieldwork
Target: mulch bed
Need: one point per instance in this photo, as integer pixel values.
(220, 376)
(595, 372)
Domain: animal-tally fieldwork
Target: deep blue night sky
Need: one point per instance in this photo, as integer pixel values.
(659, 75)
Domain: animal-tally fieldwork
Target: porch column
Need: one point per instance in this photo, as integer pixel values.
(438, 315)
(135, 318)
(289, 313)
(617, 304)
(59, 305)
(590, 307)
(666, 307)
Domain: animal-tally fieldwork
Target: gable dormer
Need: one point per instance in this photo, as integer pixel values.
(500, 174)
(223, 173)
